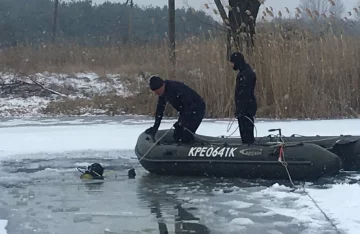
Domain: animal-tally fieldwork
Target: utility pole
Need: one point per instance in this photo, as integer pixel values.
(55, 20)
(130, 20)
(171, 4)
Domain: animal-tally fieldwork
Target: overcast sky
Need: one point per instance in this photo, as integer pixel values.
(199, 4)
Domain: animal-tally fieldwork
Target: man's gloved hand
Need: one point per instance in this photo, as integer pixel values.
(178, 133)
(238, 113)
(151, 130)
(177, 125)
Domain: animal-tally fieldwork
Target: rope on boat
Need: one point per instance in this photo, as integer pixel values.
(232, 122)
(227, 130)
(155, 143)
(229, 126)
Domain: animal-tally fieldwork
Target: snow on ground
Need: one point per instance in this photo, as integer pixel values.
(82, 82)
(339, 201)
(3, 224)
(79, 85)
(22, 106)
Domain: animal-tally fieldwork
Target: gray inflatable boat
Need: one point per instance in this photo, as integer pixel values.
(347, 147)
(227, 157)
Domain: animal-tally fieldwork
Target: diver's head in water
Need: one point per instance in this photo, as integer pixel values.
(94, 171)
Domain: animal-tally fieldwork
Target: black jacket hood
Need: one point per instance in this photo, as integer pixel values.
(239, 61)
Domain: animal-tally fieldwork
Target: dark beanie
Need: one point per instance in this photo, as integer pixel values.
(155, 82)
(237, 57)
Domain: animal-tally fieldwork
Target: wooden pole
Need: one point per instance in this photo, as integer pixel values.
(130, 21)
(55, 20)
(172, 37)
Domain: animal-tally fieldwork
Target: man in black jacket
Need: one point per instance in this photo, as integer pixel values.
(185, 100)
(245, 101)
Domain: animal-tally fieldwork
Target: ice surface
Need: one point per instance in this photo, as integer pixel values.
(238, 204)
(17, 139)
(3, 224)
(242, 221)
(340, 201)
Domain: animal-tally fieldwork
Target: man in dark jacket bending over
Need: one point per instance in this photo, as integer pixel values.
(185, 100)
(245, 101)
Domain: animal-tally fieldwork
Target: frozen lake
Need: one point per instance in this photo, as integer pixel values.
(42, 193)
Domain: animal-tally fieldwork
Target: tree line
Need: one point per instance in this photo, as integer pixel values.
(31, 22)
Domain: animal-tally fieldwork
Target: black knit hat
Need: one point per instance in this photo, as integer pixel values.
(238, 59)
(156, 82)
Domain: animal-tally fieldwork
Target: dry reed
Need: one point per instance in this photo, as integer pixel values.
(298, 77)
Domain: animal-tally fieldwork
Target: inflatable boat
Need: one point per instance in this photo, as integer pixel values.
(227, 157)
(347, 147)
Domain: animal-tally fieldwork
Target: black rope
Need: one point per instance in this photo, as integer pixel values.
(295, 187)
(327, 217)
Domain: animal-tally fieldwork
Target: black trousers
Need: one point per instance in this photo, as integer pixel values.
(246, 128)
(191, 123)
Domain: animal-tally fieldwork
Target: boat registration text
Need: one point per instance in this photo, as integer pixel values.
(212, 152)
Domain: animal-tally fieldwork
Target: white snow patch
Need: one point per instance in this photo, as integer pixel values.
(229, 191)
(25, 107)
(199, 200)
(3, 224)
(264, 214)
(340, 202)
(87, 82)
(354, 177)
(290, 204)
(86, 164)
(83, 164)
(274, 232)
(233, 212)
(238, 204)
(80, 85)
(241, 221)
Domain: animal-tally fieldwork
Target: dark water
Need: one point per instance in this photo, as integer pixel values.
(46, 196)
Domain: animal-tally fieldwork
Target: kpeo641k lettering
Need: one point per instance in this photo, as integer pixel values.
(212, 152)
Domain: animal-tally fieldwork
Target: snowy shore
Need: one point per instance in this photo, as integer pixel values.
(28, 96)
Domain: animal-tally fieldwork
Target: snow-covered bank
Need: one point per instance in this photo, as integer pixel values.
(3, 224)
(22, 96)
(78, 94)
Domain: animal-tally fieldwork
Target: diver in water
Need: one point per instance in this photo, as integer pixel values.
(186, 101)
(94, 171)
(245, 101)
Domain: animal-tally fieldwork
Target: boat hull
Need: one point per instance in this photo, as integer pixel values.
(227, 157)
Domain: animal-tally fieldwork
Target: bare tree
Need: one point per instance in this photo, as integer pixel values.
(333, 7)
(240, 21)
